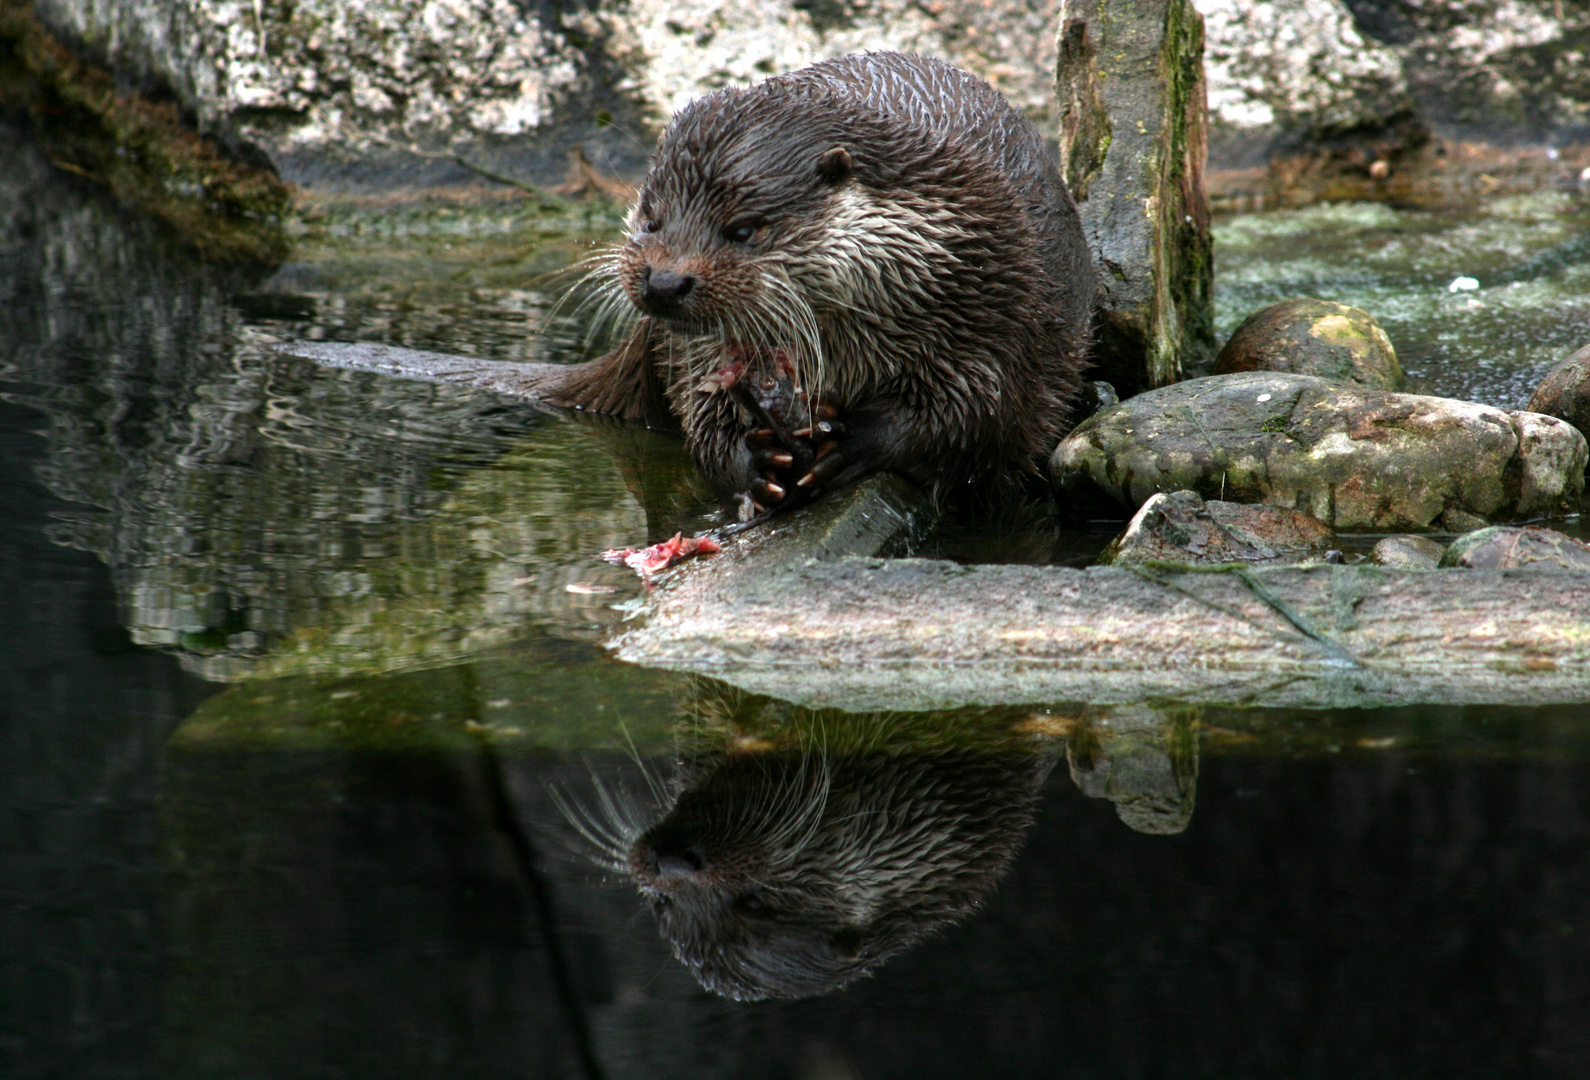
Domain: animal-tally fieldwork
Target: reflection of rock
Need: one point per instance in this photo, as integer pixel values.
(1144, 760)
(1179, 526)
(1350, 457)
(239, 497)
(803, 849)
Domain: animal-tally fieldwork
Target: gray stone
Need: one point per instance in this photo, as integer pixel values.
(1133, 146)
(1095, 395)
(1179, 526)
(1407, 553)
(1349, 457)
(1565, 391)
(1314, 337)
(1509, 548)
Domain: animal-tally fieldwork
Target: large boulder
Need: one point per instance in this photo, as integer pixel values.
(1349, 457)
(1407, 553)
(1507, 547)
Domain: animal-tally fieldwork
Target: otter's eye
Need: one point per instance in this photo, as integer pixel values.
(741, 232)
(751, 901)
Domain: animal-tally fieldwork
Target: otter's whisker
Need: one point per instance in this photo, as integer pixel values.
(614, 316)
(791, 311)
(601, 267)
(617, 808)
(654, 784)
(611, 852)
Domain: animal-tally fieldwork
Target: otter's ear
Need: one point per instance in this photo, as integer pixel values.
(834, 166)
(846, 943)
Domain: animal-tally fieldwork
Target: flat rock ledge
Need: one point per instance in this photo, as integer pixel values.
(1350, 457)
(801, 614)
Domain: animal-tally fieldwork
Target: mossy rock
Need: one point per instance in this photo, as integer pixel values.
(1511, 547)
(1314, 337)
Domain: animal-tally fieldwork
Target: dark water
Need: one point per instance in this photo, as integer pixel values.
(291, 671)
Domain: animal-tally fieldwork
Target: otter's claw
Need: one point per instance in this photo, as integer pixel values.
(828, 464)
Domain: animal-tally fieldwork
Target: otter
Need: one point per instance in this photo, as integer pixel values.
(893, 231)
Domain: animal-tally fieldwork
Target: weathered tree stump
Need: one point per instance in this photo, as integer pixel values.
(1133, 143)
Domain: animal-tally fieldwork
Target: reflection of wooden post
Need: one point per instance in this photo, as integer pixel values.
(1133, 141)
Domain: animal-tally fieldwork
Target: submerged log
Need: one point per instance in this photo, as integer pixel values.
(496, 376)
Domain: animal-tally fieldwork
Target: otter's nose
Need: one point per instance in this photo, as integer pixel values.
(679, 863)
(665, 290)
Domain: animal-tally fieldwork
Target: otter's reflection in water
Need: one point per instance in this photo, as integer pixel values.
(796, 850)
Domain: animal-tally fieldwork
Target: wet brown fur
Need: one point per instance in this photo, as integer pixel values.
(905, 215)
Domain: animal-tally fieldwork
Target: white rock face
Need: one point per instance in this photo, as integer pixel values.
(1484, 65)
(355, 76)
(1297, 60)
(690, 47)
(334, 70)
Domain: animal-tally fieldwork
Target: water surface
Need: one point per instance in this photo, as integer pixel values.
(293, 665)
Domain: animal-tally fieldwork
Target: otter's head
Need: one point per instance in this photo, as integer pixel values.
(780, 217)
(737, 190)
(786, 875)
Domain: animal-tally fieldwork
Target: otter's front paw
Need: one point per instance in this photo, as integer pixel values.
(831, 454)
(796, 466)
(780, 460)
